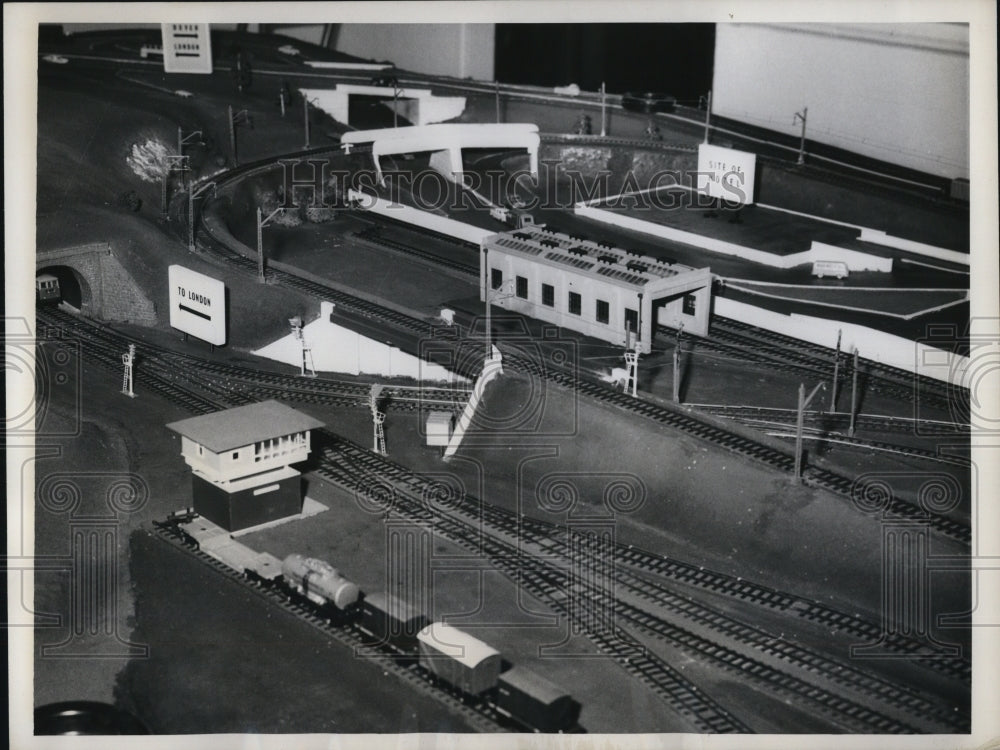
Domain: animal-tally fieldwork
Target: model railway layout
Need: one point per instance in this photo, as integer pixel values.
(517, 463)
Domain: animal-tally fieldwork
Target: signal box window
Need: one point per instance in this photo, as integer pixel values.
(548, 295)
(496, 278)
(575, 303)
(603, 311)
(522, 287)
(689, 304)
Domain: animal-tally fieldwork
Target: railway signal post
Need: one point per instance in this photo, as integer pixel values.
(306, 365)
(128, 359)
(378, 419)
(799, 419)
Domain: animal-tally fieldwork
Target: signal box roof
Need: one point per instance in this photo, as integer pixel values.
(245, 425)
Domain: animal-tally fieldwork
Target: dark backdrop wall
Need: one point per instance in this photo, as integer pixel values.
(673, 58)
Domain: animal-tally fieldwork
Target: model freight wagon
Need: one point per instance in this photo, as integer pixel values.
(392, 621)
(535, 701)
(458, 659)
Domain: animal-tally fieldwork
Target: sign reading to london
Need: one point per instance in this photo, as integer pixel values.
(726, 173)
(197, 304)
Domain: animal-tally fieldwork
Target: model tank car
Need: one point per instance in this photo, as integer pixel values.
(318, 581)
(458, 659)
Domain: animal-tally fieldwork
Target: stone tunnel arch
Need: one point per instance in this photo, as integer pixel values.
(73, 287)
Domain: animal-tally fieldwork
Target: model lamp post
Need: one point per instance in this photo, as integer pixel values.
(261, 223)
(803, 405)
(192, 195)
(241, 462)
(240, 118)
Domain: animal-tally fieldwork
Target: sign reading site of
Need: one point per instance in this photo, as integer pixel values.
(726, 173)
(197, 304)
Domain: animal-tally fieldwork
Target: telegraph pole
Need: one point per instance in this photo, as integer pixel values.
(261, 223)
(802, 142)
(241, 116)
(192, 194)
(173, 161)
(305, 117)
(799, 424)
(854, 392)
(496, 86)
(708, 114)
(836, 372)
(604, 111)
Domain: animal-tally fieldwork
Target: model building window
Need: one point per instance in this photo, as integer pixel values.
(496, 278)
(236, 455)
(603, 311)
(689, 304)
(522, 287)
(575, 305)
(548, 295)
(631, 320)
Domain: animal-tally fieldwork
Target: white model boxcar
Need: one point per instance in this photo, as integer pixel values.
(459, 659)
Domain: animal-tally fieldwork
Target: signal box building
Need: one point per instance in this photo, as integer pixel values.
(241, 460)
(595, 289)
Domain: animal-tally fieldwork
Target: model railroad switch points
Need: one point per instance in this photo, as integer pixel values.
(241, 461)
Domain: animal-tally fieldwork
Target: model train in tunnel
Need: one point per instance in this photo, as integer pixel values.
(451, 659)
(47, 291)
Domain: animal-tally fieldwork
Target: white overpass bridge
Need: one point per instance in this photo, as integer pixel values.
(445, 143)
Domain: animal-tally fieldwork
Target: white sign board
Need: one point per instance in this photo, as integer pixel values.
(726, 173)
(197, 304)
(187, 48)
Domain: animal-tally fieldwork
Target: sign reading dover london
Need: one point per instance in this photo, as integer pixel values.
(197, 304)
(726, 173)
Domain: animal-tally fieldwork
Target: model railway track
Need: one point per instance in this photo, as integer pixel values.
(600, 392)
(660, 677)
(372, 236)
(106, 346)
(362, 475)
(408, 495)
(882, 378)
(840, 420)
(745, 446)
(227, 379)
(645, 144)
(478, 714)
